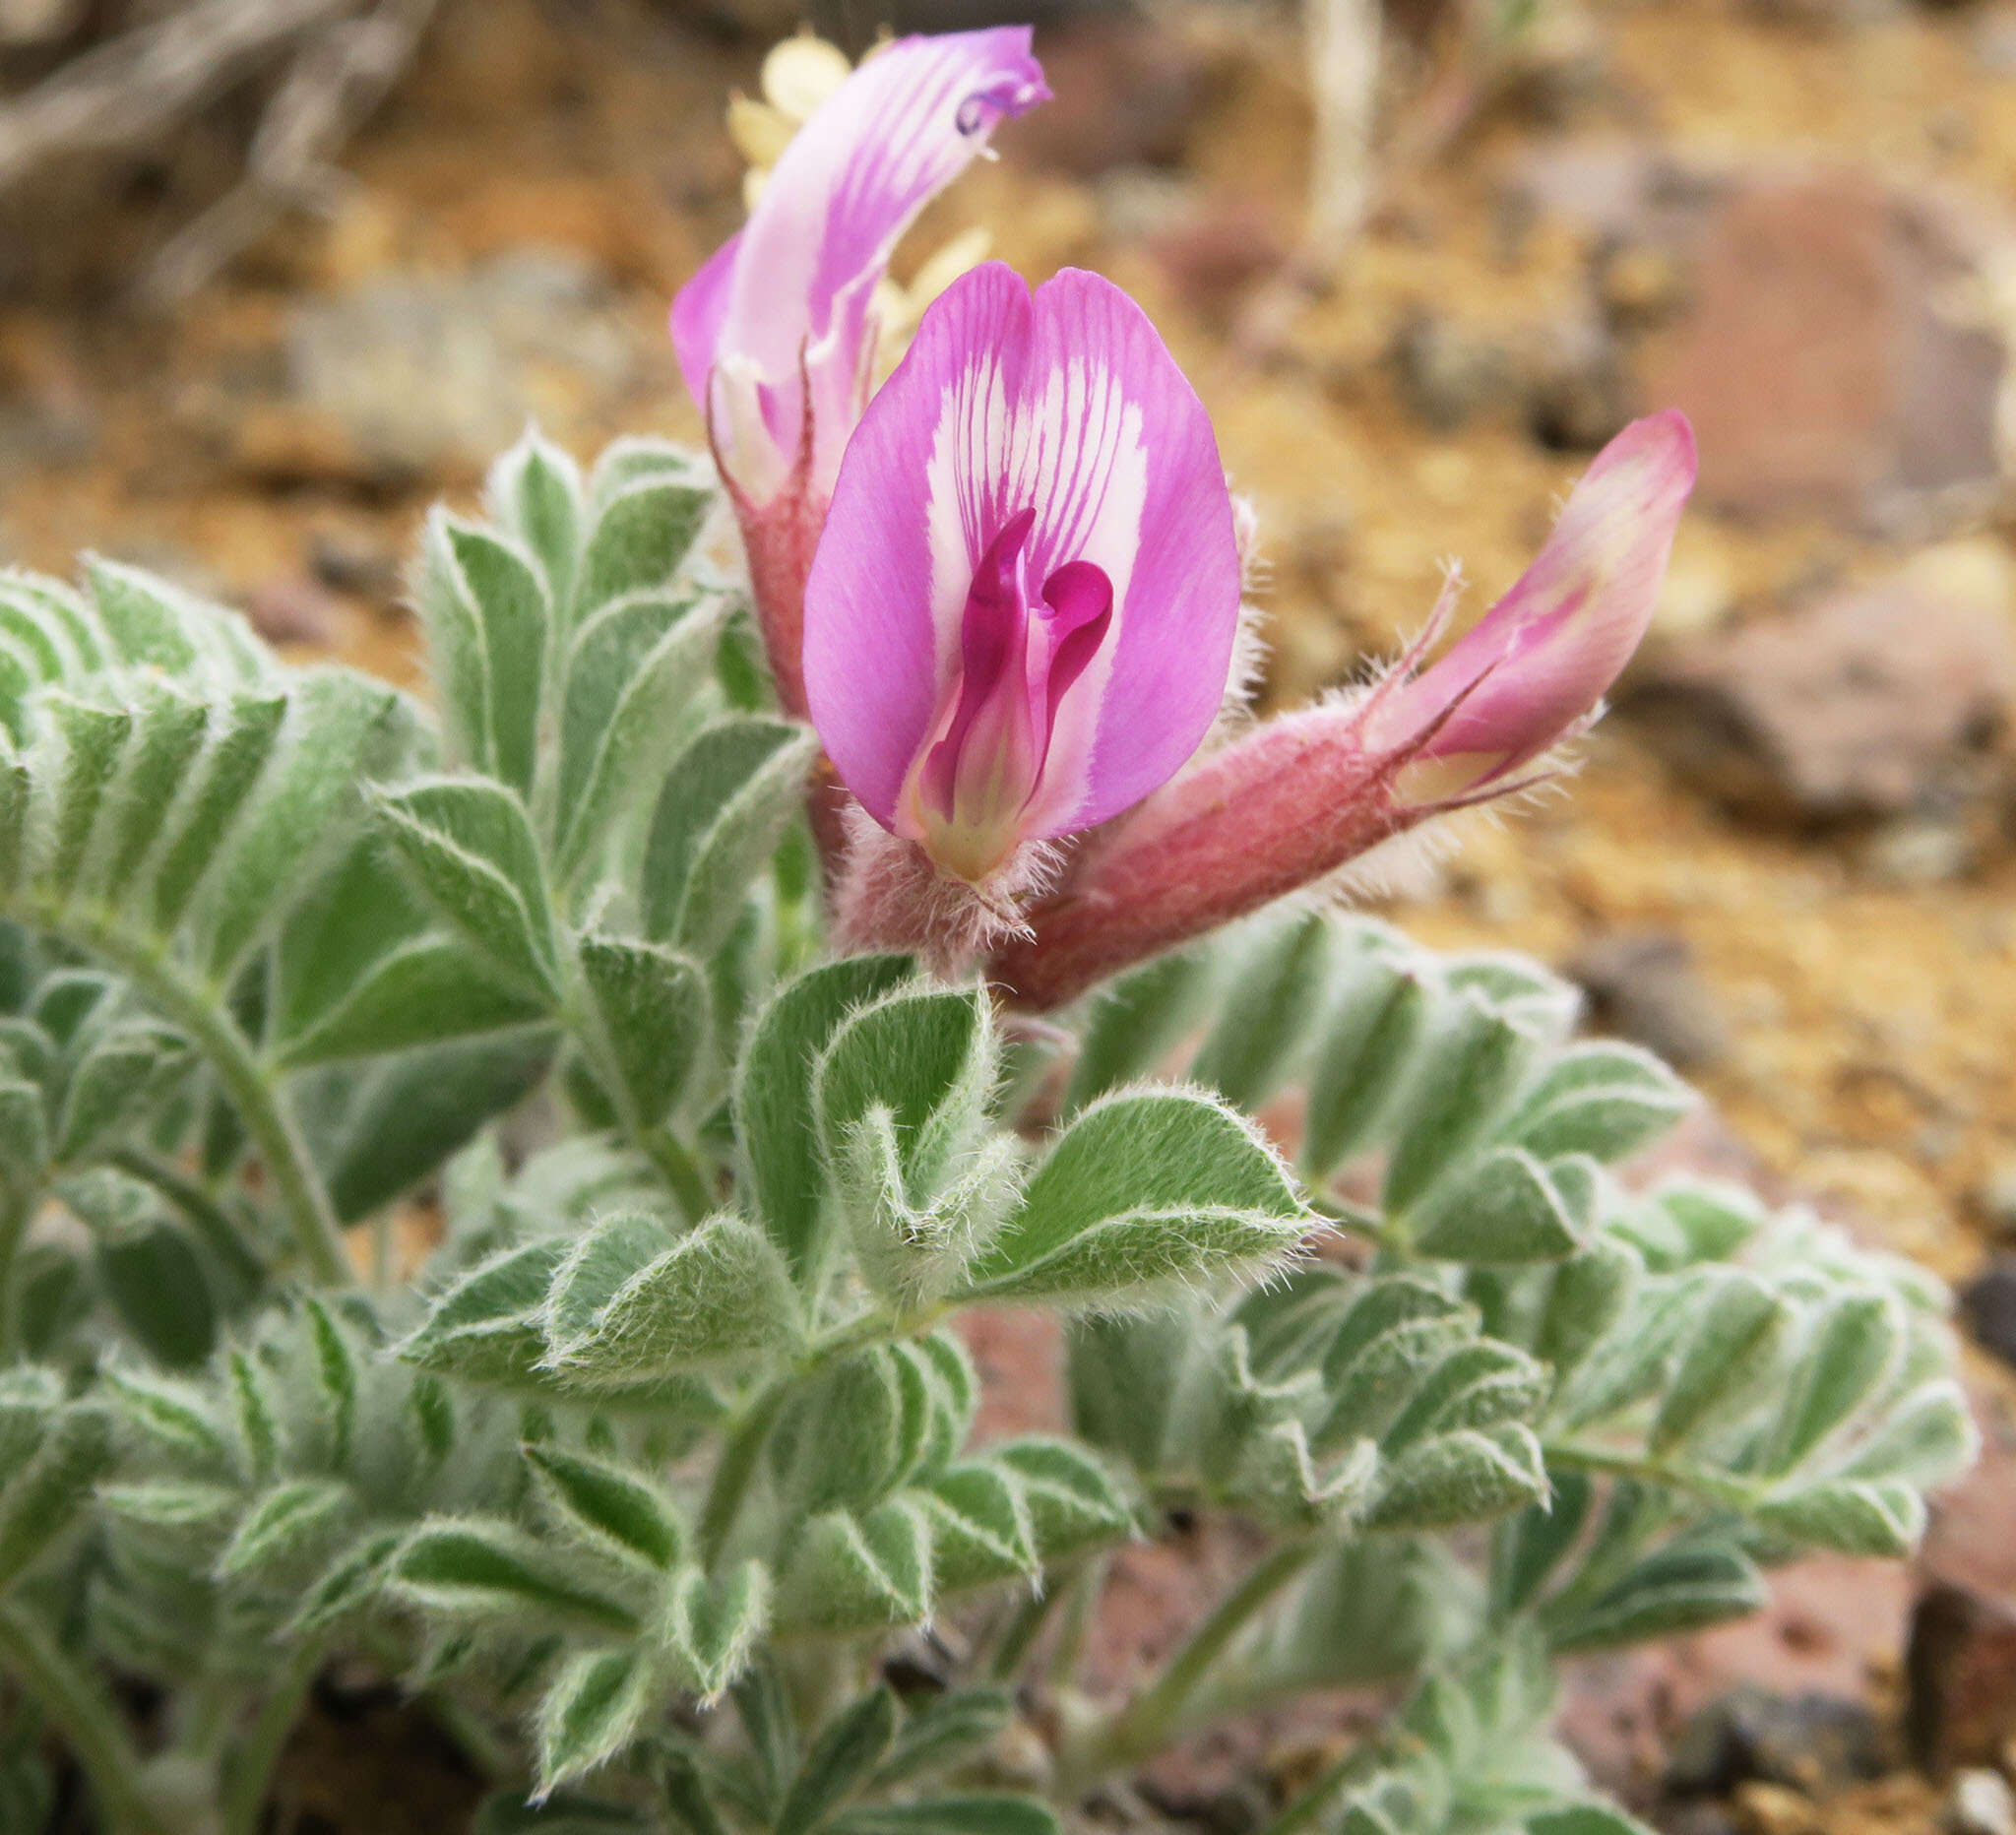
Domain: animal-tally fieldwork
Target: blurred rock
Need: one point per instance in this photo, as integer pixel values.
(1699, 1819)
(1823, 358)
(1564, 382)
(1125, 92)
(1450, 375)
(1879, 701)
(1578, 390)
(1993, 40)
(1643, 985)
(47, 412)
(1959, 1678)
(1995, 1198)
(1699, 592)
(355, 565)
(406, 378)
(1143, 203)
(1214, 258)
(1831, 1623)
(293, 609)
(1968, 1546)
(1630, 195)
(1807, 1741)
(1020, 1357)
(1920, 851)
(47, 432)
(1979, 1802)
(1988, 1303)
(1638, 284)
(1235, 1809)
(1833, 335)
(38, 21)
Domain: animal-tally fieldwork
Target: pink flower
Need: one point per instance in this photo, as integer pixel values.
(1294, 800)
(776, 335)
(1021, 614)
(1541, 660)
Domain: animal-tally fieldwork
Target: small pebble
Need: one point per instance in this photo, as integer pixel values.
(1981, 1802)
(1644, 986)
(1919, 851)
(1996, 1197)
(1988, 1303)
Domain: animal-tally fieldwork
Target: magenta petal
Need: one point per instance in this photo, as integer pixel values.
(990, 647)
(785, 305)
(1066, 404)
(884, 600)
(1545, 654)
(1142, 494)
(697, 315)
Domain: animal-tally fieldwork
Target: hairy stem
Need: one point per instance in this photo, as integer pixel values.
(676, 1161)
(253, 1765)
(211, 1220)
(1018, 1634)
(737, 1466)
(1710, 1488)
(88, 1722)
(16, 1209)
(197, 1008)
(1153, 1717)
(679, 1167)
(745, 1439)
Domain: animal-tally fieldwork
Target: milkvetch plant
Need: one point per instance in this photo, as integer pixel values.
(484, 1196)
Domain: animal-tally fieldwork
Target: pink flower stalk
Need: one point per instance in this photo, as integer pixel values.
(1297, 798)
(1021, 615)
(776, 335)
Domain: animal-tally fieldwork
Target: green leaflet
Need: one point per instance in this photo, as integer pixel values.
(609, 1506)
(715, 1294)
(469, 848)
(637, 681)
(1142, 1188)
(725, 807)
(774, 1120)
(590, 1711)
(652, 1011)
(490, 1572)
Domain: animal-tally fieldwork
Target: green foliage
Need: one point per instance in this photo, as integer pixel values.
(676, 1434)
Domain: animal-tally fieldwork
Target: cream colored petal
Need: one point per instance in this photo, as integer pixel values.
(760, 132)
(964, 253)
(801, 73)
(890, 306)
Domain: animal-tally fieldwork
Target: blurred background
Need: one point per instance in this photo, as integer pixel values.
(276, 272)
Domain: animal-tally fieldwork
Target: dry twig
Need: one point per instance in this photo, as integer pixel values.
(334, 82)
(342, 57)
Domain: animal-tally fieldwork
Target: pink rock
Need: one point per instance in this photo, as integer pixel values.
(1830, 1624)
(1125, 92)
(1870, 702)
(291, 608)
(1019, 1353)
(1825, 349)
(1960, 1670)
(1821, 360)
